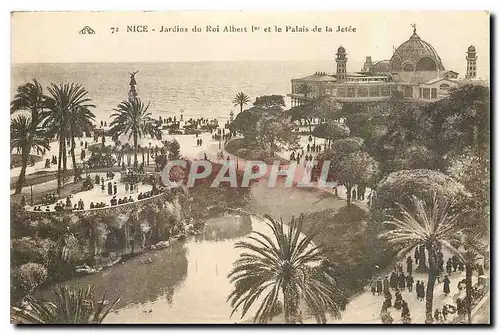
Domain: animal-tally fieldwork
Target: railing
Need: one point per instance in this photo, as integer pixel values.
(111, 208)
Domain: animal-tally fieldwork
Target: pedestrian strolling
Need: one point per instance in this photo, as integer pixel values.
(402, 282)
(409, 282)
(379, 287)
(386, 284)
(449, 265)
(409, 265)
(446, 285)
(393, 281)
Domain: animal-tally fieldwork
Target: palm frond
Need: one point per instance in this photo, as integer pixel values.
(284, 265)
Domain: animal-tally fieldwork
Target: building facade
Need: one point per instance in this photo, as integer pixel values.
(415, 70)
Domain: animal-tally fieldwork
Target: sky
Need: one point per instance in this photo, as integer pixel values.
(53, 36)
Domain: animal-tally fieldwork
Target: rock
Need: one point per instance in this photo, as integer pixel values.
(162, 244)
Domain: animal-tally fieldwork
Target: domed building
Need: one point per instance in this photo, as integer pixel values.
(416, 55)
(415, 69)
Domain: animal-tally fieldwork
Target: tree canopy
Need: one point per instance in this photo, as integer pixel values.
(400, 186)
(270, 101)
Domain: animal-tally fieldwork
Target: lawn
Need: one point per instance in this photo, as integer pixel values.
(245, 150)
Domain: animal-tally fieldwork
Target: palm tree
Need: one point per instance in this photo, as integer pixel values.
(305, 89)
(25, 137)
(29, 97)
(241, 99)
(433, 227)
(286, 265)
(69, 114)
(132, 117)
(68, 307)
(473, 250)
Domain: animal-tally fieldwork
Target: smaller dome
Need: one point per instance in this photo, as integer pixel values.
(341, 49)
(471, 48)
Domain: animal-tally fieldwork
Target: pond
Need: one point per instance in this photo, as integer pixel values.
(185, 283)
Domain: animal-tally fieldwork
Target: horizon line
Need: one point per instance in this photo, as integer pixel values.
(168, 61)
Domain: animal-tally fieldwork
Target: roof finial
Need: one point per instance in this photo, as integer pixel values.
(414, 28)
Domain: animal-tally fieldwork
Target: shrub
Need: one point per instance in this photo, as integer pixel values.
(49, 198)
(101, 161)
(29, 276)
(29, 249)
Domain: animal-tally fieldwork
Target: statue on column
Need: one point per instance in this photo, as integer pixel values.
(132, 93)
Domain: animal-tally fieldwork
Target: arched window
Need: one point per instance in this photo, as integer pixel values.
(444, 86)
(426, 64)
(396, 64)
(408, 67)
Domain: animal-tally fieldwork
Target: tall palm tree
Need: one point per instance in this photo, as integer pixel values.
(68, 307)
(132, 117)
(25, 137)
(434, 227)
(241, 99)
(29, 97)
(68, 115)
(286, 266)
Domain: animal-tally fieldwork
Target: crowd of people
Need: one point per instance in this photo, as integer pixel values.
(400, 281)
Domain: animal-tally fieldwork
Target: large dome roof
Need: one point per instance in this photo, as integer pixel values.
(416, 55)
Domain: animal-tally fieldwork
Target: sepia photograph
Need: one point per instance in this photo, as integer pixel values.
(241, 167)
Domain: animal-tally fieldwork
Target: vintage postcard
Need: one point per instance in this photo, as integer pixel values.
(205, 167)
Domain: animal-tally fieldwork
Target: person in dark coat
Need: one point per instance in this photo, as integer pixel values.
(454, 261)
(110, 189)
(446, 285)
(393, 281)
(421, 291)
(386, 284)
(449, 264)
(388, 298)
(402, 282)
(373, 286)
(440, 264)
(354, 194)
(379, 286)
(115, 189)
(409, 265)
(398, 300)
(409, 282)
(417, 255)
(440, 260)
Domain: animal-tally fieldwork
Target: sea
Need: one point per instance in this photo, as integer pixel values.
(199, 89)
